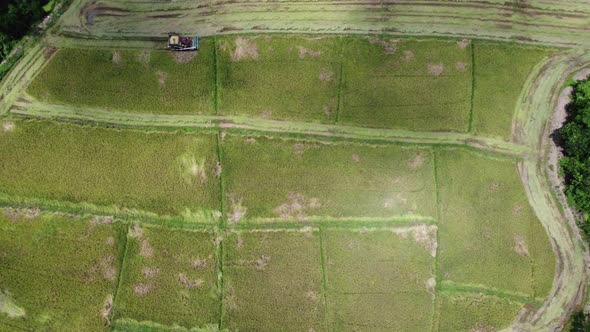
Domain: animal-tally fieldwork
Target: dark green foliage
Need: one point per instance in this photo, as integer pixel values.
(579, 322)
(16, 17)
(575, 165)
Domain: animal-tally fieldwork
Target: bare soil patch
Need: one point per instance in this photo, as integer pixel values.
(135, 231)
(146, 249)
(102, 219)
(200, 262)
(150, 272)
(262, 262)
(424, 235)
(430, 285)
(296, 206)
(8, 126)
(417, 162)
(304, 52)
(217, 169)
(184, 57)
(312, 296)
(298, 149)
(464, 43)
(49, 51)
(107, 268)
(21, 214)
(436, 69)
(326, 75)
(520, 246)
(356, 158)
(162, 77)
(189, 283)
(408, 55)
(582, 74)
(105, 312)
(142, 289)
(389, 45)
(245, 49)
(237, 210)
(116, 58)
(461, 66)
(250, 140)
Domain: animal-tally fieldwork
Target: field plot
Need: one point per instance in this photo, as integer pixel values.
(488, 233)
(383, 77)
(380, 279)
(167, 173)
(474, 312)
(130, 81)
(169, 278)
(273, 281)
(57, 272)
(279, 77)
(500, 73)
(283, 179)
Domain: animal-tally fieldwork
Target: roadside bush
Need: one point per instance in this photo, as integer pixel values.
(575, 165)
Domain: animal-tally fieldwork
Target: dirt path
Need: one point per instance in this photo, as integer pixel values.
(535, 119)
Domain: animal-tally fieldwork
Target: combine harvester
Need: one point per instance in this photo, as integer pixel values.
(177, 42)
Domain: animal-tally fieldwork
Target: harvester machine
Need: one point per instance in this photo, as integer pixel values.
(177, 42)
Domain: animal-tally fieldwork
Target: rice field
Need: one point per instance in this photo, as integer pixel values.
(170, 278)
(130, 81)
(281, 180)
(111, 170)
(500, 73)
(57, 272)
(486, 226)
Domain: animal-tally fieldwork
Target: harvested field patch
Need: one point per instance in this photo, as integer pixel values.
(324, 181)
(379, 279)
(7, 126)
(479, 226)
(252, 86)
(106, 167)
(130, 81)
(273, 281)
(500, 73)
(53, 259)
(165, 287)
(380, 89)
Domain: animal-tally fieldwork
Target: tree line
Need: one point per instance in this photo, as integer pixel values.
(16, 20)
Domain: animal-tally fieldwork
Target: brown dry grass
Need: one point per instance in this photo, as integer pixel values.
(21, 214)
(146, 249)
(417, 162)
(356, 158)
(245, 49)
(105, 312)
(108, 270)
(436, 69)
(200, 262)
(144, 57)
(298, 149)
(430, 285)
(135, 231)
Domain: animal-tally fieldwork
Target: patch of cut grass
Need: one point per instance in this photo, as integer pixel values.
(57, 271)
(384, 77)
(169, 278)
(123, 169)
(130, 81)
(500, 73)
(474, 312)
(273, 281)
(489, 235)
(284, 179)
(280, 77)
(378, 280)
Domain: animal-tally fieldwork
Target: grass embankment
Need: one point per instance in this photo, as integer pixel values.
(166, 173)
(57, 272)
(131, 81)
(489, 235)
(274, 179)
